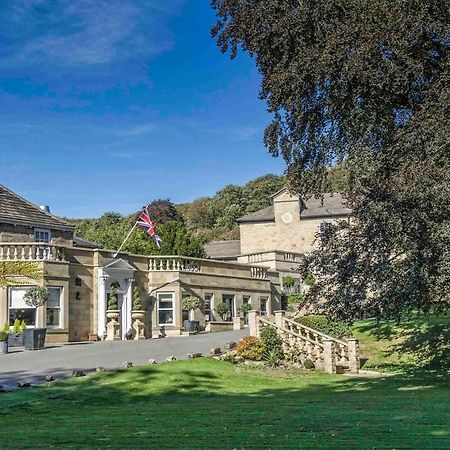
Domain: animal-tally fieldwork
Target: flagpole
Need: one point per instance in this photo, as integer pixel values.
(126, 239)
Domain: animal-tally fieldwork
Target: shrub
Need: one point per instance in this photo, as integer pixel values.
(222, 309)
(3, 336)
(288, 281)
(331, 327)
(137, 304)
(309, 280)
(6, 327)
(190, 303)
(36, 296)
(309, 364)
(272, 358)
(112, 302)
(295, 298)
(23, 326)
(272, 341)
(251, 347)
(245, 308)
(16, 327)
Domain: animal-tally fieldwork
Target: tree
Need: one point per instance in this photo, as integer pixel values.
(365, 83)
(13, 272)
(162, 211)
(228, 205)
(258, 193)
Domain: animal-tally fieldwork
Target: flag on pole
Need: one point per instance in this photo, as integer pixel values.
(146, 223)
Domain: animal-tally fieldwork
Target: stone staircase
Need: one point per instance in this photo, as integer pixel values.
(327, 353)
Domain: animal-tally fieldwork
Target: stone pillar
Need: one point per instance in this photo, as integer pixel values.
(238, 323)
(101, 306)
(329, 358)
(253, 323)
(113, 331)
(127, 306)
(139, 329)
(279, 318)
(353, 355)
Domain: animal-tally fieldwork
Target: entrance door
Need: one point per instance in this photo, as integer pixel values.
(229, 301)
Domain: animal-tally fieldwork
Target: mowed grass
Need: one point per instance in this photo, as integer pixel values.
(419, 346)
(204, 403)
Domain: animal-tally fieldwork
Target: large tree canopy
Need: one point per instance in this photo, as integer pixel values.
(365, 82)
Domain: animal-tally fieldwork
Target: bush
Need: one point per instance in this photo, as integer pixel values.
(190, 303)
(137, 304)
(251, 348)
(3, 336)
(6, 327)
(245, 308)
(288, 281)
(16, 327)
(331, 327)
(112, 302)
(23, 326)
(222, 309)
(309, 280)
(272, 341)
(309, 364)
(295, 298)
(272, 358)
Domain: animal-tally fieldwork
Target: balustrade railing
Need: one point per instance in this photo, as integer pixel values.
(30, 251)
(326, 352)
(184, 264)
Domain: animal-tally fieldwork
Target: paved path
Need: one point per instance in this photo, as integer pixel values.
(61, 360)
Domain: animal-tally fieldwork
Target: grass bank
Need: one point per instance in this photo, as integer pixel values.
(205, 403)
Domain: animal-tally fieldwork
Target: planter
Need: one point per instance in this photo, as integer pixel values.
(34, 338)
(138, 315)
(113, 314)
(15, 340)
(3, 347)
(191, 326)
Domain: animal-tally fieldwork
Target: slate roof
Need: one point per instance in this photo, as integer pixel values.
(223, 249)
(331, 205)
(17, 211)
(79, 242)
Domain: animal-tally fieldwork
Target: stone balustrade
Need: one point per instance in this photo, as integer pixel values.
(327, 353)
(31, 251)
(185, 264)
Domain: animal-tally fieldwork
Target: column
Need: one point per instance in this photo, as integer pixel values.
(353, 355)
(127, 306)
(279, 318)
(253, 323)
(329, 359)
(101, 306)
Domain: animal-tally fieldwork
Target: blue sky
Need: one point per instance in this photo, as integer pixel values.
(108, 104)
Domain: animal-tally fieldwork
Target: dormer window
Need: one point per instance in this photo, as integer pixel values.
(42, 235)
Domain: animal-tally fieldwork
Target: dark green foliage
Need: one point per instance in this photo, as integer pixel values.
(162, 211)
(137, 303)
(245, 308)
(296, 298)
(4, 336)
(273, 342)
(272, 358)
(288, 281)
(309, 280)
(331, 327)
(365, 83)
(222, 309)
(112, 301)
(309, 364)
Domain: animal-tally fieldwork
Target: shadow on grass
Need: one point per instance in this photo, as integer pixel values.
(211, 404)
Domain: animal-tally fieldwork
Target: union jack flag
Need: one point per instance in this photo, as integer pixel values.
(146, 223)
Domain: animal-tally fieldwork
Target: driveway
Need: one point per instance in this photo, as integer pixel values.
(60, 360)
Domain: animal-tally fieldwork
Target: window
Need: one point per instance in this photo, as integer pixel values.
(54, 308)
(18, 309)
(229, 301)
(165, 308)
(263, 305)
(41, 235)
(208, 306)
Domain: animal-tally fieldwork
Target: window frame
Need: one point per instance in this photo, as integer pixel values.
(158, 308)
(42, 230)
(61, 309)
(22, 288)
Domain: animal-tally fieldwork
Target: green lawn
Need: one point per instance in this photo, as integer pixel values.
(204, 403)
(419, 346)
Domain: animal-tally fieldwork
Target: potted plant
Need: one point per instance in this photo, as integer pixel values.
(34, 338)
(190, 304)
(16, 337)
(113, 310)
(223, 310)
(137, 313)
(245, 308)
(4, 334)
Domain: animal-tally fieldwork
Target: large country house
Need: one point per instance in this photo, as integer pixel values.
(80, 274)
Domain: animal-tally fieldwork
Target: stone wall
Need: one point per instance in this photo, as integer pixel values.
(23, 233)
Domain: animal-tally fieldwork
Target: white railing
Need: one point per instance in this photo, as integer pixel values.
(327, 353)
(29, 251)
(185, 264)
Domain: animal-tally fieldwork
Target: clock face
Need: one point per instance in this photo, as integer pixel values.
(286, 217)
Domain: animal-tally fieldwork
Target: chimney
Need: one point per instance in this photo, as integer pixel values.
(45, 208)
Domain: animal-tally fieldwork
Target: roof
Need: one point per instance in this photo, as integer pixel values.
(328, 206)
(223, 249)
(79, 242)
(17, 211)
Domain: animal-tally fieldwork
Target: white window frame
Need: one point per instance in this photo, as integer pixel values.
(158, 309)
(266, 298)
(37, 231)
(61, 309)
(211, 305)
(12, 288)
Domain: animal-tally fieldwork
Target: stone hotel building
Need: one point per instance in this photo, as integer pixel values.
(80, 274)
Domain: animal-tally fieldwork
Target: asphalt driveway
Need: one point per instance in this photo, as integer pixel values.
(60, 360)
